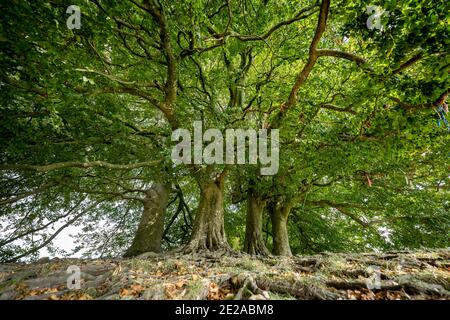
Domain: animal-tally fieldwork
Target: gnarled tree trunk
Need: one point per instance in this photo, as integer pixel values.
(280, 215)
(209, 228)
(151, 226)
(254, 243)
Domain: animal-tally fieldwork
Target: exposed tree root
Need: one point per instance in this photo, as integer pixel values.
(219, 251)
(298, 290)
(226, 274)
(249, 284)
(357, 285)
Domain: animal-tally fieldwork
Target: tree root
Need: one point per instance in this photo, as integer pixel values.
(216, 254)
(298, 290)
(260, 285)
(408, 285)
(359, 285)
(249, 284)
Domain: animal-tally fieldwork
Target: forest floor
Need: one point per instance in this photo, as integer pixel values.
(423, 274)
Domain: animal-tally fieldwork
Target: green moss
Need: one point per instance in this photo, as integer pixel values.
(276, 296)
(195, 289)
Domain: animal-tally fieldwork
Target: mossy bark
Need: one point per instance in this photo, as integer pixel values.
(280, 216)
(151, 226)
(254, 243)
(209, 229)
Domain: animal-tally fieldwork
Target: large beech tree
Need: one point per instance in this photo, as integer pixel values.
(87, 116)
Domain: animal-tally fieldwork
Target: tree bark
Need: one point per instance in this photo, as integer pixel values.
(151, 227)
(280, 234)
(209, 229)
(254, 243)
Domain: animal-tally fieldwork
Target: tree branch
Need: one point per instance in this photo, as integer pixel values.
(342, 55)
(407, 63)
(339, 109)
(442, 97)
(53, 236)
(298, 16)
(312, 58)
(72, 164)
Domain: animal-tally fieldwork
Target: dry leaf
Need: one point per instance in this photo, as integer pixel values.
(125, 292)
(180, 283)
(170, 290)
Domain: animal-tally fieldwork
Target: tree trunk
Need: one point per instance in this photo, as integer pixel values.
(151, 227)
(254, 243)
(209, 228)
(280, 231)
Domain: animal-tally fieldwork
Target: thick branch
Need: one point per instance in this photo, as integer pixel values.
(342, 55)
(336, 108)
(407, 64)
(72, 164)
(157, 12)
(301, 78)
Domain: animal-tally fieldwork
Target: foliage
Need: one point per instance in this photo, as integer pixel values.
(362, 159)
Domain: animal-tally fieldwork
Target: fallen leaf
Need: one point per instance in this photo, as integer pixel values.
(180, 283)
